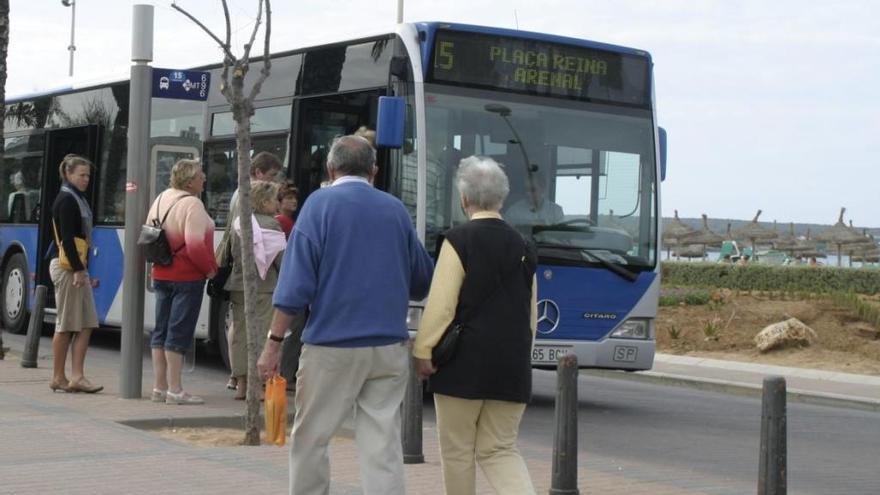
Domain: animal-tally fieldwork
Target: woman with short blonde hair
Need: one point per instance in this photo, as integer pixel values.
(183, 172)
(179, 286)
(268, 236)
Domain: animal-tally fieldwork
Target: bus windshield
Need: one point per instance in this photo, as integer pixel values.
(582, 175)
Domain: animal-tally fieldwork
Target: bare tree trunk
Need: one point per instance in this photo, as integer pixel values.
(4, 45)
(242, 110)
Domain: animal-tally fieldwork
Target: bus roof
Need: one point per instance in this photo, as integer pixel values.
(428, 28)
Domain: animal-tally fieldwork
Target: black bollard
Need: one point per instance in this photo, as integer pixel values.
(565, 445)
(35, 329)
(773, 458)
(411, 419)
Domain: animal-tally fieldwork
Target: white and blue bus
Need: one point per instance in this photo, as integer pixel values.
(574, 118)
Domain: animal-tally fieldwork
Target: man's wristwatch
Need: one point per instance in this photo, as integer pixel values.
(274, 337)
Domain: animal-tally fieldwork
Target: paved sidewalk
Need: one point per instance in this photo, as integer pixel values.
(76, 443)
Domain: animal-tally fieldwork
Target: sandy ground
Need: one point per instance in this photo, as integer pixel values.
(207, 437)
(739, 317)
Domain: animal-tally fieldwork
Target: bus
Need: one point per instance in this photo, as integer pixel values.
(572, 121)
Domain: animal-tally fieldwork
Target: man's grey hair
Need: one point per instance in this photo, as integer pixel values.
(482, 182)
(352, 155)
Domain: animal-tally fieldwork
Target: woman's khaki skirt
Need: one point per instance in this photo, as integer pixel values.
(75, 305)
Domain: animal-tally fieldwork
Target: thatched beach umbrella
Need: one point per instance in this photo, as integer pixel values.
(809, 245)
(789, 242)
(693, 251)
(753, 232)
(862, 251)
(839, 234)
(703, 237)
(673, 231)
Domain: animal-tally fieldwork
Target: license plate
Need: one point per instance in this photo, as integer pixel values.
(625, 353)
(548, 353)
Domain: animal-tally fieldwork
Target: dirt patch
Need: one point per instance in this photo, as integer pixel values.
(725, 329)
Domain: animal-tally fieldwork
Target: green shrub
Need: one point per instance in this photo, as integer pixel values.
(788, 279)
(859, 308)
(675, 296)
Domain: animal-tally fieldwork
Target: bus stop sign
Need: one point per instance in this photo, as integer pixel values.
(181, 84)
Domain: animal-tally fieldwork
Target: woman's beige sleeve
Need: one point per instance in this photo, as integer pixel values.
(442, 301)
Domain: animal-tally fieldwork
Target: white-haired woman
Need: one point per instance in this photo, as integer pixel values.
(485, 281)
(180, 285)
(269, 241)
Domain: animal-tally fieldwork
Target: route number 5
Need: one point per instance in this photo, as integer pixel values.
(443, 59)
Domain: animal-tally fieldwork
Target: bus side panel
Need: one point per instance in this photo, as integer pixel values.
(591, 301)
(112, 241)
(105, 267)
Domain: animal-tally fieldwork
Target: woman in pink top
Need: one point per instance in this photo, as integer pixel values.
(180, 285)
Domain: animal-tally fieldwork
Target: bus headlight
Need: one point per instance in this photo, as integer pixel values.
(413, 317)
(631, 329)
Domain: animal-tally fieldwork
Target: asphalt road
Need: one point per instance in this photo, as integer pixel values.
(709, 440)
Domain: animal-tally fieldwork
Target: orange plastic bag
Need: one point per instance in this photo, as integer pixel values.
(276, 410)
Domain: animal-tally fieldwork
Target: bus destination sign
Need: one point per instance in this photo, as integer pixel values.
(539, 67)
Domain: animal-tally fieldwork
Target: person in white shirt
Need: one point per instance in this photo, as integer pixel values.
(535, 209)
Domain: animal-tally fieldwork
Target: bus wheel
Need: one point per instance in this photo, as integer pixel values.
(15, 294)
(221, 321)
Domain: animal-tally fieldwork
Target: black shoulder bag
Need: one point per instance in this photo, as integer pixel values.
(445, 349)
(216, 284)
(152, 237)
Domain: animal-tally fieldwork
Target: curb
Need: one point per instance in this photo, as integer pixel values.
(737, 388)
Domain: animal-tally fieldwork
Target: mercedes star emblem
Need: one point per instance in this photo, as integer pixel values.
(548, 316)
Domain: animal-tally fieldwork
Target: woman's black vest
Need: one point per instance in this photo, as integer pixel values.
(493, 358)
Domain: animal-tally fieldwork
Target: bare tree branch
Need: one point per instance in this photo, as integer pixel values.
(250, 43)
(228, 24)
(205, 29)
(229, 59)
(267, 63)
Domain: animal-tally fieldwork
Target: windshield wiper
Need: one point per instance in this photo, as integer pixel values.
(590, 256)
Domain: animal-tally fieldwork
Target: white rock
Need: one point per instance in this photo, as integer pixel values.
(784, 333)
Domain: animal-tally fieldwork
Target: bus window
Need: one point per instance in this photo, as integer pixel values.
(21, 179)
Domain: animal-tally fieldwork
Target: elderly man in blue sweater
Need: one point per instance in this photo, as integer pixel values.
(355, 260)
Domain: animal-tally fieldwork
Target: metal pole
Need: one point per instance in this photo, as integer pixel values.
(411, 419)
(773, 457)
(136, 197)
(563, 479)
(35, 329)
(72, 47)
(399, 11)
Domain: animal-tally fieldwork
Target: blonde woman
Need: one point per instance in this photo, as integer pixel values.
(72, 221)
(269, 241)
(180, 285)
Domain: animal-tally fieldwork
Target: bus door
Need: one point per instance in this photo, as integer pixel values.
(83, 141)
(320, 120)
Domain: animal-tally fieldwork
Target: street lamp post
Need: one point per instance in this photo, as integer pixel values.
(72, 47)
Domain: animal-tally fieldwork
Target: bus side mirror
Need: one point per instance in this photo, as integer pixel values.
(662, 133)
(390, 120)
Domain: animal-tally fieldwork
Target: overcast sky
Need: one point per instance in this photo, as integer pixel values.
(768, 104)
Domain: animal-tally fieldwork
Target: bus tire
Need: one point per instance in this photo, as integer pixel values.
(221, 318)
(14, 302)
